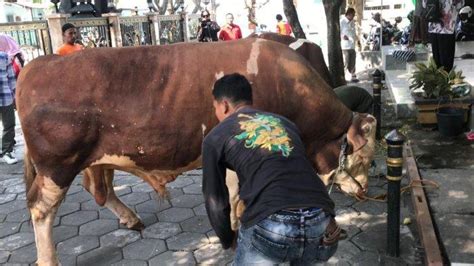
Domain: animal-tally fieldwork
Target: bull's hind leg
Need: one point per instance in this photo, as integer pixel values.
(44, 198)
(99, 182)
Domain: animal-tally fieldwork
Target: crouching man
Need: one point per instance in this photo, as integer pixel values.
(288, 214)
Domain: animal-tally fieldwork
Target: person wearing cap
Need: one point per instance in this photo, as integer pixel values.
(283, 27)
(69, 38)
(7, 108)
(12, 48)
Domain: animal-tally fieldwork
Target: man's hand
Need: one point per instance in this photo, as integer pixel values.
(345, 37)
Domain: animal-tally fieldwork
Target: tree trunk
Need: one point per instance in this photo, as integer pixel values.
(335, 60)
(292, 16)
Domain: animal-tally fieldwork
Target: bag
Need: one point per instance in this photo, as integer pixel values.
(16, 68)
(432, 11)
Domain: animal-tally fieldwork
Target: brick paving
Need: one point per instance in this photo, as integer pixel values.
(177, 229)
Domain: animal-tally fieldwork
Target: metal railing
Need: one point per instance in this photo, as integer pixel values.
(192, 26)
(93, 32)
(170, 29)
(33, 37)
(136, 31)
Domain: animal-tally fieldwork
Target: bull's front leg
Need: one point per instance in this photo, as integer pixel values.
(44, 198)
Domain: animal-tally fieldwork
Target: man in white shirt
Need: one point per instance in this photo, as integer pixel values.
(348, 35)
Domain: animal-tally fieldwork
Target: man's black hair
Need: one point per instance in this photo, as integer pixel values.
(233, 87)
(67, 26)
(279, 17)
(350, 10)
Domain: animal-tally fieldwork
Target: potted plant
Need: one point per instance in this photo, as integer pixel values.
(434, 88)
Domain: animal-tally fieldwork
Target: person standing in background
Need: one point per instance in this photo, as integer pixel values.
(208, 29)
(230, 31)
(442, 32)
(7, 109)
(283, 27)
(69, 38)
(11, 47)
(348, 36)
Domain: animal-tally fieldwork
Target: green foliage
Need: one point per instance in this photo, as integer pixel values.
(435, 82)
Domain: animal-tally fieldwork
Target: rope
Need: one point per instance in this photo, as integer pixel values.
(383, 197)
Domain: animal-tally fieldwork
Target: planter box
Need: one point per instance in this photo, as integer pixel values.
(427, 108)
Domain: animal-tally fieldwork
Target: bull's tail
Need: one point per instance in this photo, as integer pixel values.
(30, 171)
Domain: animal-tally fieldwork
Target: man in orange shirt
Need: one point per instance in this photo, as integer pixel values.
(283, 27)
(69, 39)
(230, 31)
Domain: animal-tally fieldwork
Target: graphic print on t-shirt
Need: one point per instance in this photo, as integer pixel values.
(265, 132)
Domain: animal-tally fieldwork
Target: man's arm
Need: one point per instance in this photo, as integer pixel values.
(216, 194)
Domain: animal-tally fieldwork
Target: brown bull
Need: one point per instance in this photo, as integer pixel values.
(102, 109)
(309, 50)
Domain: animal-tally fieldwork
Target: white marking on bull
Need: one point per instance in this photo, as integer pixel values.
(42, 217)
(219, 75)
(252, 62)
(118, 160)
(232, 183)
(203, 129)
(297, 44)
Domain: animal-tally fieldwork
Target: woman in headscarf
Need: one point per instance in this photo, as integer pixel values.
(11, 47)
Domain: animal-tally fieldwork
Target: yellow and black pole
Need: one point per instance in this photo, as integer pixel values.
(395, 142)
(377, 94)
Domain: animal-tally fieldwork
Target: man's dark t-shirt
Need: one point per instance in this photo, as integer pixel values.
(274, 174)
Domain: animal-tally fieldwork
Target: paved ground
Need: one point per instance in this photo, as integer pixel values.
(177, 230)
(449, 162)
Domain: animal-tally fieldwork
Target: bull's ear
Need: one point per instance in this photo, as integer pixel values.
(355, 134)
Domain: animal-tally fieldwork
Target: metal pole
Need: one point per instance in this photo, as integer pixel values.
(395, 142)
(381, 25)
(376, 93)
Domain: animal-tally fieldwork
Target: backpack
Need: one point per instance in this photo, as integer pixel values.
(432, 11)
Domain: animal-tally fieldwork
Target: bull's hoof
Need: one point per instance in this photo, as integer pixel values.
(53, 262)
(137, 226)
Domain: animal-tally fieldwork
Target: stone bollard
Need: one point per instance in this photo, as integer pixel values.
(377, 94)
(395, 142)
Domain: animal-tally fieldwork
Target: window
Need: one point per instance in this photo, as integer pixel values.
(397, 6)
(10, 18)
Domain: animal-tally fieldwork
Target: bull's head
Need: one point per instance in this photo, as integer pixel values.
(352, 178)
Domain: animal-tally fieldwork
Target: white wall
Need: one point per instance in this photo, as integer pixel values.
(12, 10)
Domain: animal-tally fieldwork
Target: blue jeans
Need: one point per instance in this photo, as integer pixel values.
(286, 236)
